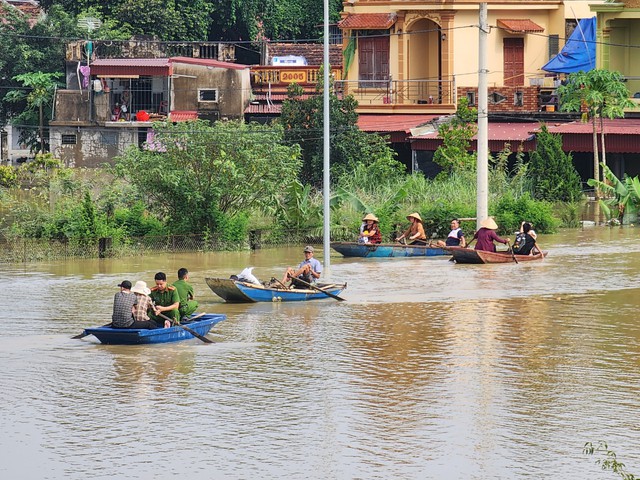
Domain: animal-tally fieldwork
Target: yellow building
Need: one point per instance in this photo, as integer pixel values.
(421, 56)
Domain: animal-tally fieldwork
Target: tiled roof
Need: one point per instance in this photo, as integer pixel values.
(130, 62)
(182, 115)
(29, 8)
(368, 21)
(392, 123)
(313, 52)
(519, 25)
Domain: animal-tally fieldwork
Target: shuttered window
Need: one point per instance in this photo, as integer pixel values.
(513, 62)
(373, 59)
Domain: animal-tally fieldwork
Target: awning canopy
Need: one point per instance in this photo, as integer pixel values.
(519, 25)
(579, 53)
(368, 21)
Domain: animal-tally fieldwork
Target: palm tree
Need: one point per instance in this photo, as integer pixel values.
(598, 94)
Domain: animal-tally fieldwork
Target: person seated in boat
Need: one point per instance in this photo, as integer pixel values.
(455, 237)
(308, 271)
(525, 243)
(415, 233)
(185, 291)
(166, 301)
(531, 232)
(370, 233)
(486, 235)
(125, 303)
(141, 310)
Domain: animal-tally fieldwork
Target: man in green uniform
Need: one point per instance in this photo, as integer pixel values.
(185, 291)
(165, 299)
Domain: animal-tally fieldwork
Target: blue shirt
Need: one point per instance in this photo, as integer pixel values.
(316, 266)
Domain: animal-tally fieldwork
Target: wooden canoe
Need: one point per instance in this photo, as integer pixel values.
(468, 255)
(235, 291)
(381, 250)
(139, 336)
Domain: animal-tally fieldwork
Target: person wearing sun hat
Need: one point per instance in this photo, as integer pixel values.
(486, 235)
(140, 312)
(370, 233)
(415, 233)
(308, 271)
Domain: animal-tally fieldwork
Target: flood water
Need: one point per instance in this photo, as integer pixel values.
(429, 370)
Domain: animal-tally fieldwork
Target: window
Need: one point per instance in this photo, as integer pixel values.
(69, 139)
(518, 99)
(109, 138)
(471, 98)
(496, 98)
(207, 94)
(373, 59)
(554, 42)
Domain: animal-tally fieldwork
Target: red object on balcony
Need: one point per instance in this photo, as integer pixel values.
(142, 116)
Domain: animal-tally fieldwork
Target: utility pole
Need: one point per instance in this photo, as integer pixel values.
(326, 163)
(482, 209)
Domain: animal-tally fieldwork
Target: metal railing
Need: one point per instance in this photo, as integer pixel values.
(382, 92)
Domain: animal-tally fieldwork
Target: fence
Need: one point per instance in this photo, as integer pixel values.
(20, 249)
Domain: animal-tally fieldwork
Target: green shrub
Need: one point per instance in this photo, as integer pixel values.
(510, 212)
(8, 176)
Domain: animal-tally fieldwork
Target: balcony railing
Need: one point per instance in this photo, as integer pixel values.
(399, 92)
(262, 76)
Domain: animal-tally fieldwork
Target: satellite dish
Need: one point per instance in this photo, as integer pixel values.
(89, 23)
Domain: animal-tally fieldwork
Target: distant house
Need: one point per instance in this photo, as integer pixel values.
(111, 103)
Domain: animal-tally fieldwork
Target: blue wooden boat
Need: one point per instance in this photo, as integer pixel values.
(137, 336)
(235, 291)
(380, 250)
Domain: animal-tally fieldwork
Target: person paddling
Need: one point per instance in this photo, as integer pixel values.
(415, 233)
(486, 235)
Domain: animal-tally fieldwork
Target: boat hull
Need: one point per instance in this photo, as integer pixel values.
(234, 291)
(468, 255)
(384, 250)
(137, 336)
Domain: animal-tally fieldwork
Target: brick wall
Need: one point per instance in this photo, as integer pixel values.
(530, 98)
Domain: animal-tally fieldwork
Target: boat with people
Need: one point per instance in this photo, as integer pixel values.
(383, 250)
(199, 324)
(237, 291)
(469, 255)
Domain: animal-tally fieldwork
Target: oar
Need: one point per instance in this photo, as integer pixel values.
(310, 285)
(84, 334)
(512, 254)
(191, 331)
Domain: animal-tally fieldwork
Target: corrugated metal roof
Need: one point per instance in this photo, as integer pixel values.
(366, 21)
(519, 25)
(131, 66)
(208, 62)
(615, 126)
(273, 109)
(392, 123)
(498, 134)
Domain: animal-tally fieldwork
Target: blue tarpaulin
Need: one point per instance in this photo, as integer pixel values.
(579, 53)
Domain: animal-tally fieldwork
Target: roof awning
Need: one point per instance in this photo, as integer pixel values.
(368, 21)
(519, 25)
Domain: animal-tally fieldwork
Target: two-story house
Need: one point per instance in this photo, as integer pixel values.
(111, 103)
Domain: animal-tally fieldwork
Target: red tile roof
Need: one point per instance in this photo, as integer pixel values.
(182, 115)
(368, 21)
(312, 52)
(519, 25)
(392, 123)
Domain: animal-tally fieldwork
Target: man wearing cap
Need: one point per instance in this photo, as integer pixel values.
(415, 232)
(308, 271)
(124, 303)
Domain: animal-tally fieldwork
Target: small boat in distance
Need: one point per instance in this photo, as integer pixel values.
(236, 291)
(383, 250)
(140, 336)
(469, 255)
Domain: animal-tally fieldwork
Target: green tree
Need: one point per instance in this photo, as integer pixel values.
(553, 176)
(39, 89)
(604, 95)
(303, 120)
(624, 195)
(198, 176)
(454, 153)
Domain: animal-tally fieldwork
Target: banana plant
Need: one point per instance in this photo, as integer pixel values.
(622, 197)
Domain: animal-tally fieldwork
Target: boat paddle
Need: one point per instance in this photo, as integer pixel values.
(310, 285)
(84, 333)
(191, 331)
(512, 254)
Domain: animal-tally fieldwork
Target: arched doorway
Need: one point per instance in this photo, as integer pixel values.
(424, 60)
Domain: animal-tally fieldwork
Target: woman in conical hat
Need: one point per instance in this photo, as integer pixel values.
(370, 230)
(486, 235)
(415, 233)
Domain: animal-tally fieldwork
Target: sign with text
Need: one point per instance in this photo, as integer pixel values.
(291, 76)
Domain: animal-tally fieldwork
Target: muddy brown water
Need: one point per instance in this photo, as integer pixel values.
(429, 370)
